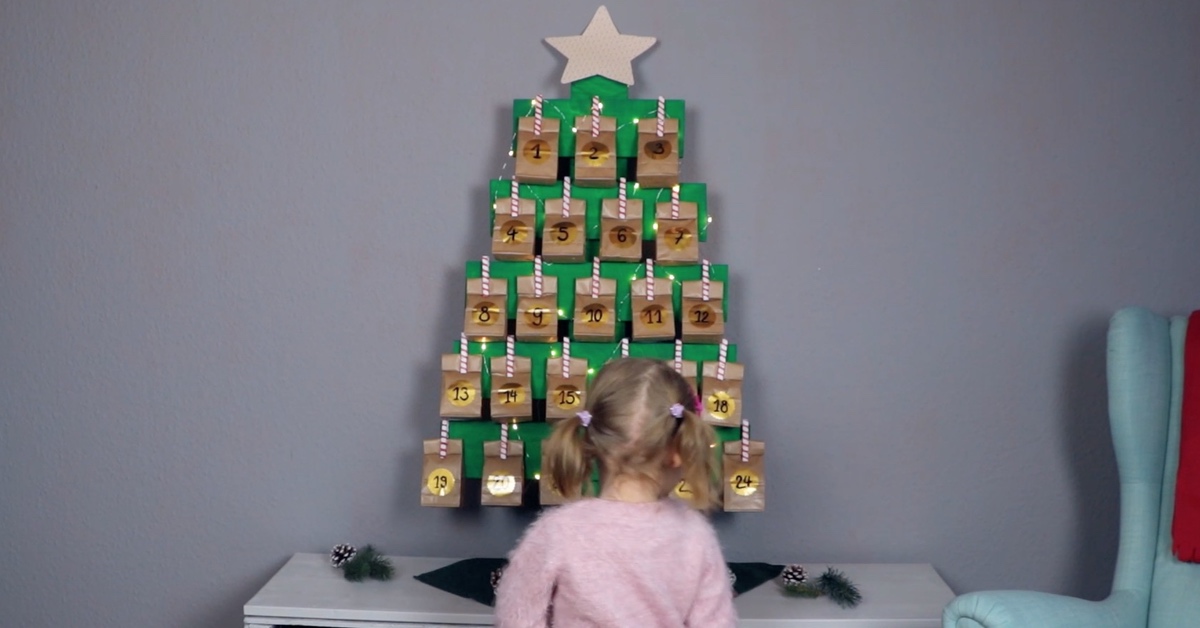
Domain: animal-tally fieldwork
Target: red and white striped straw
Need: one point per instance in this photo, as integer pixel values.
(486, 276)
(514, 202)
(537, 115)
(674, 202)
(566, 358)
(504, 441)
(705, 280)
(621, 202)
(662, 115)
(537, 276)
(745, 440)
(510, 356)
(624, 347)
(649, 279)
(678, 356)
(595, 116)
(566, 200)
(722, 359)
(444, 439)
(462, 353)
(596, 278)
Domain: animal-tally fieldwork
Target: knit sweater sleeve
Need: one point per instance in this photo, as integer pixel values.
(713, 607)
(524, 594)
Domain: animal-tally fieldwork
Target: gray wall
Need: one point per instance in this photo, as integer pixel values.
(232, 233)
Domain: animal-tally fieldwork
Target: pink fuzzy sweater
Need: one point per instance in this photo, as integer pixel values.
(617, 564)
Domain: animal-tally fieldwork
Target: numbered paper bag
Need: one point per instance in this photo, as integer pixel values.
(745, 485)
(441, 478)
(512, 396)
(595, 316)
(548, 493)
(462, 393)
(537, 316)
(658, 157)
(503, 478)
(565, 395)
(677, 240)
(564, 238)
(596, 155)
(513, 236)
(703, 321)
(653, 319)
(537, 154)
(486, 315)
(621, 238)
(722, 397)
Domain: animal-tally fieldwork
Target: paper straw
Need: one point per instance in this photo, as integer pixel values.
(722, 358)
(662, 115)
(510, 356)
(537, 276)
(486, 276)
(537, 115)
(745, 440)
(705, 280)
(514, 202)
(444, 439)
(678, 356)
(674, 202)
(621, 202)
(504, 441)
(566, 198)
(566, 358)
(649, 279)
(462, 353)
(624, 347)
(596, 278)
(595, 116)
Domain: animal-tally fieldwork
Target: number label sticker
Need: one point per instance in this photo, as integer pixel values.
(744, 482)
(440, 482)
(486, 313)
(702, 315)
(536, 151)
(514, 232)
(683, 490)
(595, 314)
(594, 154)
(652, 315)
(720, 404)
(567, 397)
(658, 149)
(461, 393)
(511, 394)
(677, 238)
(538, 316)
(564, 232)
(501, 484)
(622, 237)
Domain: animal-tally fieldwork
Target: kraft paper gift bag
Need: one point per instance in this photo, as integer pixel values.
(503, 478)
(486, 316)
(537, 316)
(512, 396)
(658, 157)
(702, 321)
(595, 155)
(537, 154)
(462, 393)
(441, 478)
(653, 319)
(722, 398)
(745, 486)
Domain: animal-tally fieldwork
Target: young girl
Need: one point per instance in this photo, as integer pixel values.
(631, 557)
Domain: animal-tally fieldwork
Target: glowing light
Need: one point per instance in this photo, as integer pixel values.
(710, 218)
(656, 226)
(537, 476)
(574, 129)
(671, 277)
(553, 353)
(533, 101)
(561, 313)
(635, 120)
(590, 371)
(635, 185)
(510, 153)
(675, 188)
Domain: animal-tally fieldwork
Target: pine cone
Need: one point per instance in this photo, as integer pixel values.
(794, 575)
(341, 553)
(496, 575)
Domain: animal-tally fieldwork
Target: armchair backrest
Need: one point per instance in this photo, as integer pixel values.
(1175, 592)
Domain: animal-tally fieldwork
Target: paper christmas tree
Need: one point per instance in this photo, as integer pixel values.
(596, 254)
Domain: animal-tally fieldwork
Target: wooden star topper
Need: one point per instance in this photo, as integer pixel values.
(600, 50)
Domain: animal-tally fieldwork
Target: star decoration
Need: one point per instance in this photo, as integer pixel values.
(600, 50)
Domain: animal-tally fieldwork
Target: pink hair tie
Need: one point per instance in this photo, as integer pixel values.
(697, 404)
(677, 410)
(585, 417)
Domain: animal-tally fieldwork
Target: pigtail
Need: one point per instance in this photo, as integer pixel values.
(569, 459)
(695, 441)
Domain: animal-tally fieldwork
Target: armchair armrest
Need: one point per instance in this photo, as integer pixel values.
(1022, 609)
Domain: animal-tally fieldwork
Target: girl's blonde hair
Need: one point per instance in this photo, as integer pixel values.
(632, 431)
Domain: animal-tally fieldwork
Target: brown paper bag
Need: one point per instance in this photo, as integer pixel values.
(722, 398)
(595, 319)
(595, 157)
(677, 240)
(703, 321)
(564, 239)
(537, 317)
(621, 238)
(486, 317)
(658, 157)
(513, 237)
(512, 397)
(652, 320)
(441, 478)
(548, 493)
(462, 393)
(537, 155)
(565, 396)
(745, 484)
(503, 480)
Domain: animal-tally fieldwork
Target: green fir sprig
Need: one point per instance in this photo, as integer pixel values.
(832, 583)
(368, 563)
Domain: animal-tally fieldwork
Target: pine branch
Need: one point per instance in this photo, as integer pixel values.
(839, 588)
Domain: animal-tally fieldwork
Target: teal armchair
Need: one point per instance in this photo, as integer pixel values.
(1151, 589)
